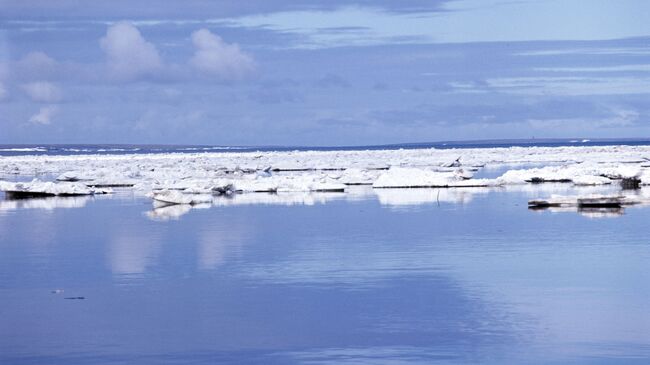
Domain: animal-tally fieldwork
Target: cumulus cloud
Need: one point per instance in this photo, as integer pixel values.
(129, 55)
(215, 57)
(43, 91)
(37, 64)
(44, 115)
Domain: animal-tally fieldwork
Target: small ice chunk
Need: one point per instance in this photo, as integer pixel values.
(178, 197)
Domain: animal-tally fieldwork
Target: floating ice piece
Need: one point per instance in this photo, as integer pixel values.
(404, 177)
(579, 174)
(178, 197)
(586, 180)
(37, 188)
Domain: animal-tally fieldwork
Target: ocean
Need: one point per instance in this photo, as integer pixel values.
(84, 149)
(372, 276)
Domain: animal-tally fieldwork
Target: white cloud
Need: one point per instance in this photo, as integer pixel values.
(43, 91)
(215, 57)
(571, 85)
(129, 55)
(44, 115)
(38, 64)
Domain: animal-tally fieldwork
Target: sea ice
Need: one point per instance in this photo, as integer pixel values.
(402, 177)
(48, 188)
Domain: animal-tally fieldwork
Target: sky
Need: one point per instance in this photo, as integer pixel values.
(322, 73)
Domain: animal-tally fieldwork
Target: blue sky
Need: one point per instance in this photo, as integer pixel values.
(336, 72)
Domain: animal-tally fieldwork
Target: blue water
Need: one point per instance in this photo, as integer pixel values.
(76, 149)
(384, 277)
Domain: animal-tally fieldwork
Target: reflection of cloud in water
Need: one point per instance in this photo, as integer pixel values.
(405, 197)
(325, 263)
(215, 248)
(44, 203)
(131, 253)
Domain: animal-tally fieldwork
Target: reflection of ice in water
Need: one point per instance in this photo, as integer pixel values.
(167, 212)
(547, 189)
(131, 253)
(637, 198)
(44, 203)
(601, 212)
(405, 197)
(164, 212)
(278, 199)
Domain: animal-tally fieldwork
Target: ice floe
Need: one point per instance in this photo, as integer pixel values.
(179, 197)
(199, 176)
(37, 188)
(403, 177)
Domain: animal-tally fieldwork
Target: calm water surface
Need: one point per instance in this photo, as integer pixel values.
(384, 277)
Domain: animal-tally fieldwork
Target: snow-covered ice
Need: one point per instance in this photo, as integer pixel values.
(214, 173)
(48, 188)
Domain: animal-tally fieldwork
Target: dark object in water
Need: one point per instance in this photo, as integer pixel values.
(631, 183)
(116, 185)
(539, 180)
(19, 194)
(75, 298)
(607, 202)
(542, 204)
(330, 190)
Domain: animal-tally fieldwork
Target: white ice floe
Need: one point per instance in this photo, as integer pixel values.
(587, 173)
(333, 171)
(402, 177)
(178, 197)
(165, 211)
(48, 188)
